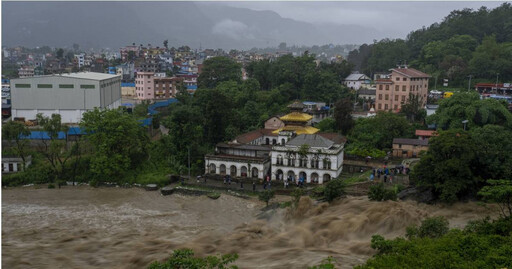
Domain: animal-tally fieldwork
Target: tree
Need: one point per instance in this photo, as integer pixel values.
(54, 149)
(334, 189)
(119, 142)
(343, 115)
(266, 196)
(500, 192)
(76, 47)
(468, 106)
(14, 132)
(447, 166)
(412, 108)
(372, 135)
(60, 53)
(327, 125)
(218, 69)
(166, 44)
(184, 259)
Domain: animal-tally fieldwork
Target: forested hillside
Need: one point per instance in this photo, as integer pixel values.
(467, 42)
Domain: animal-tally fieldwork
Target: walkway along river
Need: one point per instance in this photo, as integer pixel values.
(83, 227)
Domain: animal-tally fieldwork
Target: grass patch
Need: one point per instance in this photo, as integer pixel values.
(159, 178)
(213, 195)
(358, 177)
(285, 204)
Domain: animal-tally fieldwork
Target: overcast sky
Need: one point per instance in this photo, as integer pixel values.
(396, 19)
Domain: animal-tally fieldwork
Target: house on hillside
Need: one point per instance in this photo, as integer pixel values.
(408, 148)
(356, 81)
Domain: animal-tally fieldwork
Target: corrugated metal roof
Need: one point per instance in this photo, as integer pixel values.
(356, 77)
(90, 75)
(411, 72)
(313, 140)
(408, 141)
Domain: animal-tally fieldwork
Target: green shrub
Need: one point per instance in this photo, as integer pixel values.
(318, 191)
(51, 186)
(433, 227)
(285, 204)
(213, 195)
(334, 189)
(380, 193)
(184, 258)
(266, 196)
(327, 263)
(296, 194)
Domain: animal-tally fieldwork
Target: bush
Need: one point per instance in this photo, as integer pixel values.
(184, 258)
(334, 189)
(213, 195)
(318, 191)
(35, 174)
(433, 227)
(51, 186)
(380, 193)
(327, 263)
(296, 194)
(266, 196)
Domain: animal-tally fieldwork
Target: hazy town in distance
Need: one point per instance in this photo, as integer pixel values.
(256, 134)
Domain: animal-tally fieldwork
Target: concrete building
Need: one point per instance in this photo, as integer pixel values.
(144, 85)
(26, 72)
(69, 95)
(80, 60)
(356, 81)
(149, 86)
(11, 164)
(239, 160)
(323, 161)
(128, 89)
(393, 92)
(408, 148)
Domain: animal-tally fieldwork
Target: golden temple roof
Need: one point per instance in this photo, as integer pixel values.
(298, 129)
(296, 116)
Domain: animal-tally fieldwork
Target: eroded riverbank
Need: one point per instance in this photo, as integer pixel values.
(83, 227)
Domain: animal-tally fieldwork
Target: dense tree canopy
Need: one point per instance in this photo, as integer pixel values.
(466, 42)
(218, 69)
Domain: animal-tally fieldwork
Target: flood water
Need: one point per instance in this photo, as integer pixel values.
(82, 227)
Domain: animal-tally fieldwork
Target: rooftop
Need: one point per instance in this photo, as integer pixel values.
(313, 140)
(251, 136)
(426, 133)
(411, 72)
(296, 116)
(408, 141)
(298, 129)
(357, 76)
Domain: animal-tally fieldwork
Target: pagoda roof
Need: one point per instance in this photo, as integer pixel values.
(298, 129)
(296, 105)
(296, 116)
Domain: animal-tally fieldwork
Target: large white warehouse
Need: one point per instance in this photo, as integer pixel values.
(69, 95)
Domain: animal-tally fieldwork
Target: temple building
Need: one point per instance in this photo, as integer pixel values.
(295, 150)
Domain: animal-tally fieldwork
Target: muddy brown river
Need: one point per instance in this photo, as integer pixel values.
(82, 227)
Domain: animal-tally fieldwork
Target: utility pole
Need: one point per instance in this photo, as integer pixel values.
(189, 162)
(497, 75)
(469, 83)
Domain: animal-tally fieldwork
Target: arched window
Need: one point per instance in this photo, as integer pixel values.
(267, 141)
(279, 160)
(282, 141)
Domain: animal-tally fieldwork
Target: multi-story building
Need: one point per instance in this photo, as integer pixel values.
(394, 91)
(69, 95)
(150, 86)
(80, 60)
(125, 52)
(322, 160)
(26, 72)
(144, 85)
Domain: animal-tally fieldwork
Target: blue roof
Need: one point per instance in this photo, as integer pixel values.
(127, 84)
(127, 104)
(152, 107)
(309, 103)
(76, 131)
(5, 81)
(192, 87)
(146, 122)
(43, 135)
(325, 108)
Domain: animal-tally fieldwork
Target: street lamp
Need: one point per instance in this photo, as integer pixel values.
(464, 122)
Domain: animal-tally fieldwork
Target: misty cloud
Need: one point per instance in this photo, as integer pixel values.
(233, 29)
